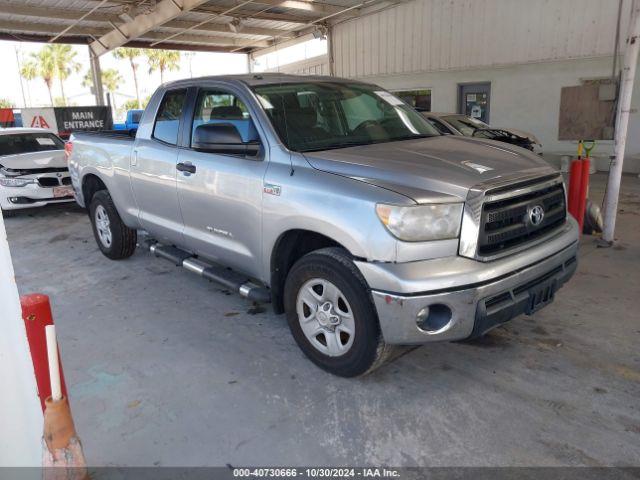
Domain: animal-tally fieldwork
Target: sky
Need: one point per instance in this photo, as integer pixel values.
(194, 64)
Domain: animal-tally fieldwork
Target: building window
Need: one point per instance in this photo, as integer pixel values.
(418, 99)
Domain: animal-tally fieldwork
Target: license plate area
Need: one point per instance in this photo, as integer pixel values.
(59, 192)
(541, 295)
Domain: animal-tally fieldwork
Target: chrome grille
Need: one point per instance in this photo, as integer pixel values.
(505, 223)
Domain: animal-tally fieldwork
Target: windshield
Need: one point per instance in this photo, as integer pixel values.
(323, 116)
(14, 144)
(466, 125)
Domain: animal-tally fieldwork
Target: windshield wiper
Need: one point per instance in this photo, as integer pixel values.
(333, 146)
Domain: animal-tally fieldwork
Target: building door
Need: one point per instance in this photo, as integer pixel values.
(474, 100)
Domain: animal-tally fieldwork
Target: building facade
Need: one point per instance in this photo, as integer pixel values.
(504, 60)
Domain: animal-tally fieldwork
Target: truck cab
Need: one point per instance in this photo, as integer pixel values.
(337, 202)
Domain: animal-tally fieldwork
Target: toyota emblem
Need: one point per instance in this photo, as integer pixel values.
(536, 215)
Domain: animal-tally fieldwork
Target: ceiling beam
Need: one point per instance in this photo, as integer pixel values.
(20, 28)
(164, 11)
(303, 5)
(48, 29)
(260, 15)
(135, 44)
(224, 27)
(58, 13)
(104, 17)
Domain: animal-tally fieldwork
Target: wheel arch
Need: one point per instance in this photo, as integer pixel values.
(91, 183)
(289, 248)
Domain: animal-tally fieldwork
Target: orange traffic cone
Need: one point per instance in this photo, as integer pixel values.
(62, 456)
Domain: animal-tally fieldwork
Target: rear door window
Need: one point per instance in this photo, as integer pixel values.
(167, 122)
(14, 144)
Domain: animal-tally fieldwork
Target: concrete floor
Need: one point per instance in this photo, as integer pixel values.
(166, 369)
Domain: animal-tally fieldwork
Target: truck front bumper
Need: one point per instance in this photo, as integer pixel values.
(457, 298)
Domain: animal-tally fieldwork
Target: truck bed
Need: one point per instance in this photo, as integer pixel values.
(119, 134)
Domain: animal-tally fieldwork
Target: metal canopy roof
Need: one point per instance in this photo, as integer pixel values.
(208, 25)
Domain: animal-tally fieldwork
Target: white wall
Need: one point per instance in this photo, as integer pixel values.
(21, 418)
(313, 66)
(430, 35)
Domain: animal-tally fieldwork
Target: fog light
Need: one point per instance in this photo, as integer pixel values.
(434, 318)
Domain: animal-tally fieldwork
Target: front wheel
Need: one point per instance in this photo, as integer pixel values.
(331, 314)
(115, 240)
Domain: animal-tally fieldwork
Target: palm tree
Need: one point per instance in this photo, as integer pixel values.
(111, 79)
(64, 59)
(130, 54)
(162, 60)
(46, 68)
(29, 71)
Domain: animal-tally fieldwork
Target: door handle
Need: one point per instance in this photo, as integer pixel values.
(186, 167)
(134, 158)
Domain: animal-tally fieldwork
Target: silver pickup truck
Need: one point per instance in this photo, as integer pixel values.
(338, 203)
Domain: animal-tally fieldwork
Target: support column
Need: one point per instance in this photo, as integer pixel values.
(21, 433)
(96, 74)
(332, 66)
(622, 123)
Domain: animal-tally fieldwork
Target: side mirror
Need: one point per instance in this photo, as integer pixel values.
(222, 138)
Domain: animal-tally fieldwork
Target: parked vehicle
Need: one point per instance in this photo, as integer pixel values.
(131, 122)
(337, 202)
(33, 169)
(458, 124)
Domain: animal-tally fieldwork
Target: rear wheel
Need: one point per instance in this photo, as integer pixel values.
(331, 314)
(115, 240)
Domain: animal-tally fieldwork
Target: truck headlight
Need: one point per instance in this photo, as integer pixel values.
(16, 182)
(419, 223)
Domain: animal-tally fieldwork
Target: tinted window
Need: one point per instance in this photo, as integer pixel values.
(28, 143)
(326, 115)
(439, 126)
(168, 118)
(217, 106)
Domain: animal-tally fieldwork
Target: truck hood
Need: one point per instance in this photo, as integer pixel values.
(35, 160)
(431, 169)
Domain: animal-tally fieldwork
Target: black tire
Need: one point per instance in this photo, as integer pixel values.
(123, 239)
(368, 350)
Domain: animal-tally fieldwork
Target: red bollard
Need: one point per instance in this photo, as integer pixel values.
(584, 191)
(575, 180)
(36, 313)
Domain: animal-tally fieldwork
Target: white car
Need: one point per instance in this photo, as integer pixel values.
(33, 169)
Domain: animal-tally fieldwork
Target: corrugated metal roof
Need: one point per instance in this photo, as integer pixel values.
(209, 26)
